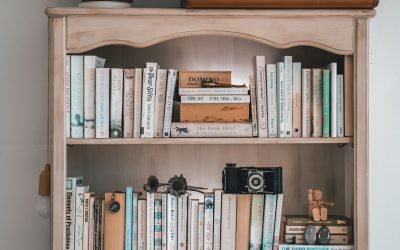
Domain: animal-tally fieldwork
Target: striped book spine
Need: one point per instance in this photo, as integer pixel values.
(256, 221)
(76, 96)
(128, 218)
(271, 99)
(261, 86)
(326, 103)
(288, 96)
(157, 221)
(306, 103)
(269, 221)
(280, 82)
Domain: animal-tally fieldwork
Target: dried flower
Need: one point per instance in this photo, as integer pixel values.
(152, 184)
(177, 185)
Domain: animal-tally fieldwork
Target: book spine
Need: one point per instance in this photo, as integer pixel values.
(280, 81)
(157, 223)
(215, 99)
(70, 214)
(228, 222)
(257, 209)
(102, 226)
(288, 96)
(68, 96)
(137, 102)
(296, 99)
(182, 221)
(243, 221)
(76, 96)
(214, 91)
(194, 79)
(253, 99)
(317, 247)
(340, 106)
(148, 103)
(271, 98)
(269, 221)
(222, 112)
(194, 222)
(278, 219)
(164, 222)
(217, 219)
(161, 85)
(200, 229)
(97, 223)
(150, 221)
(189, 225)
(208, 221)
(79, 203)
(325, 103)
(116, 103)
(129, 78)
(135, 209)
(332, 229)
(114, 223)
(316, 103)
(128, 218)
(335, 239)
(262, 116)
(91, 223)
(172, 222)
(333, 100)
(86, 221)
(180, 129)
(142, 238)
(102, 103)
(306, 103)
(169, 101)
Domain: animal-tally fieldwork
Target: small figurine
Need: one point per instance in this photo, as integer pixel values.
(317, 207)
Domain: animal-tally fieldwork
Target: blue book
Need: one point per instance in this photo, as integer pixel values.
(157, 221)
(128, 218)
(269, 221)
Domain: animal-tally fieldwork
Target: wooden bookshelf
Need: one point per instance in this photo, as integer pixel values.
(224, 40)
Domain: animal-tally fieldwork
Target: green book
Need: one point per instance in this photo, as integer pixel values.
(325, 103)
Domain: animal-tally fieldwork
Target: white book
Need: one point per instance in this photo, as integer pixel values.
(172, 222)
(182, 221)
(296, 100)
(261, 86)
(91, 223)
(306, 103)
(137, 102)
(129, 78)
(214, 91)
(200, 239)
(150, 221)
(215, 99)
(194, 224)
(340, 106)
(90, 63)
(169, 101)
(208, 221)
(148, 96)
(288, 96)
(269, 221)
(181, 129)
(142, 218)
(316, 247)
(253, 99)
(278, 219)
(217, 219)
(86, 220)
(161, 85)
(256, 221)
(68, 96)
(316, 103)
(228, 222)
(70, 190)
(333, 68)
(280, 82)
(272, 101)
(102, 102)
(164, 222)
(135, 209)
(76, 96)
(79, 202)
(116, 103)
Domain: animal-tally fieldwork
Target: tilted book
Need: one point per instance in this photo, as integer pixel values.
(262, 115)
(114, 223)
(280, 82)
(215, 99)
(217, 219)
(172, 222)
(333, 98)
(148, 103)
(194, 79)
(271, 99)
(86, 219)
(137, 102)
(180, 129)
(164, 221)
(296, 99)
(90, 65)
(243, 221)
(128, 218)
(169, 101)
(76, 96)
(129, 79)
(253, 99)
(214, 91)
(208, 220)
(70, 191)
(200, 240)
(278, 219)
(228, 222)
(116, 103)
(317, 247)
(79, 214)
(150, 221)
(135, 212)
(161, 85)
(142, 218)
(194, 224)
(256, 221)
(335, 239)
(102, 103)
(67, 96)
(306, 103)
(340, 106)
(316, 103)
(269, 221)
(182, 221)
(288, 96)
(326, 103)
(157, 221)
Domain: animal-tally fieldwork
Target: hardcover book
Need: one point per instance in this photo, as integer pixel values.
(217, 219)
(272, 102)
(137, 102)
(280, 81)
(340, 106)
(296, 99)
(142, 218)
(194, 79)
(243, 221)
(182, 221)
(114, 224)
(333, 98)
(70, 191)
(102, 102)
(224, 112)
(269, 221)
(129, 78)
(306, 103)
(67, 96)
(214, 91)
(208, 220)
(256, 221)
(161, 85)
(228, 221)
(253, 98)
(116, 103)
(316, 103)
(288, 96)
(179, 129)
(148, 104)
(262, 115)
(169, 101)
(326, 103)
(76, 96)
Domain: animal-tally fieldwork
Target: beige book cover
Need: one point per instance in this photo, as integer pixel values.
(243, 221)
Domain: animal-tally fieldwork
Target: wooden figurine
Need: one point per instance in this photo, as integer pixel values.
(317, 207)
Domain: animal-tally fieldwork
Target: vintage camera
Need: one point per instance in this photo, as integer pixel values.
(251, 179)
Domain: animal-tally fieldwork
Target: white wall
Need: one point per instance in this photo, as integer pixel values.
(384, 120)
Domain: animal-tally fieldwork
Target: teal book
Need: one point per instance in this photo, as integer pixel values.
(128, 218)
(269, 221)
(76, 96)
(325, 103)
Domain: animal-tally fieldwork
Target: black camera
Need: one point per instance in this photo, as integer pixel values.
(266, 180)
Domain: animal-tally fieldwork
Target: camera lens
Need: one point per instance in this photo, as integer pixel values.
(256, 182)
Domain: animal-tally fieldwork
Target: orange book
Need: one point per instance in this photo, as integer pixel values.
(114, 224)
(243, 221)
(229, 112)
(193, 79)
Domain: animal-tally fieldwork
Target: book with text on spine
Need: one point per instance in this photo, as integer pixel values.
(288, 96)
(215, 99)
(217, 219)
(262, 115)
(77, 96)
(269, 221)
(200, 240)
(228, 221)
(157, 221)
(182, 221)
(70, 201)
(278, 219)
(159, 111)
(86, 219)
(180, 129)
(221, 112)
(208, 220)
(280, 83)
(128, 218)
(148, 97)
(172, 222)
(135, 212)
(116, 103)
(214, 91)
(150, 221)
(306, 103)
(193, 224)
(137, 102)
(335, 239)
(316, 102)
(297, 99)
(332, 67)
(68, 96)
(256, 221)
(102, 102)
(129, 79)
(340, 106)
(271, 99)
(326, 103)
(164, 221)
(194, 79)
(316, 247)
(142, 217)
(169, 101)
(253, 100)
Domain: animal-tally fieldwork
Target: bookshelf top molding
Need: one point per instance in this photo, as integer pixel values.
(331, 30)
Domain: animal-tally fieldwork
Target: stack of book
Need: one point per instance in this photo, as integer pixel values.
(215, 220)
(211, 106)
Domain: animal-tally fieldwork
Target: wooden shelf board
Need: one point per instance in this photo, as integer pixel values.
(215, 141)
